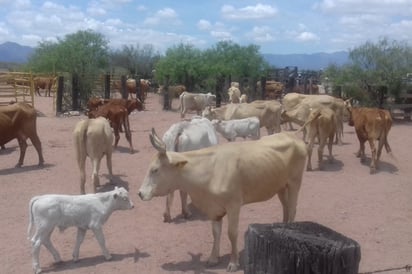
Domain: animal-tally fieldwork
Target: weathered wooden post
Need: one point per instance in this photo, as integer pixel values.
(218, 89)
(301, 247)
(125, 92)
(75, 91)
(166, 94)
(59, 98)
(263, 88)
(107, 86)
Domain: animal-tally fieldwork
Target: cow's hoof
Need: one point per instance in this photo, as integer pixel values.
(232, 267)
(308, 169)
(108, 257)
(212, 262)
(18, 165)
(187, 214)
(167, 218)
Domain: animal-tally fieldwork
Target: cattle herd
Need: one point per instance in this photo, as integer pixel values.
(218, 178)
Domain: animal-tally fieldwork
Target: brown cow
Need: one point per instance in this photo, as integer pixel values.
(174, 92)
(130, 104)
(370, 124)
(45, 83)
(131, 87)
(117, 115)
(19, 121)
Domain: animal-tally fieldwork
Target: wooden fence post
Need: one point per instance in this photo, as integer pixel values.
(166, 94)
(263, 87)
(299, 248)
(59, 98)
(125, 92)
(75, 92)
(107, 86)
(218, 90)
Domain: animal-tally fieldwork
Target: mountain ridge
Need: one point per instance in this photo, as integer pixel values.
(11, 52)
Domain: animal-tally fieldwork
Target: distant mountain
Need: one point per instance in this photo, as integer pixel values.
(11, 52)
(315, 61)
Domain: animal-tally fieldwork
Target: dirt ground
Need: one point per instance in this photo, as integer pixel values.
(375, 210)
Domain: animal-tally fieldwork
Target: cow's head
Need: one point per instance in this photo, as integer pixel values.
(348, 105)
(164, 171)
(121, 198)
(209, 113)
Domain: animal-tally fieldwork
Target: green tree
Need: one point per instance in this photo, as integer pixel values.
(374, 68)
(138, 60)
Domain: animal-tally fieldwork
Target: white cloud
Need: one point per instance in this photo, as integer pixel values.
(221, 35)
(95, 9)
(204, 25)
(250, 12)
(164, 16)
(401, 7)
(261, 34)
(307, 37)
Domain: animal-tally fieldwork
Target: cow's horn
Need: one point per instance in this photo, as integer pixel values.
(156, 142)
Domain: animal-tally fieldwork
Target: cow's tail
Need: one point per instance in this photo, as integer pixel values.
(316, 116)
(31, 219)
(181, 100)
(81, 141)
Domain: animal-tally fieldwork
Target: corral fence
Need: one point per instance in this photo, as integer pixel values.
(16, 87)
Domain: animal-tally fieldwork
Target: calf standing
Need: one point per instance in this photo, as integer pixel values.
(246, 127)
(93, 138)
(89, 211)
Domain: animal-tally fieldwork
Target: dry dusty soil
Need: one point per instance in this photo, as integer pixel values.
(375, 210)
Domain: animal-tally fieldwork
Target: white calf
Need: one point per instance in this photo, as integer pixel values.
(185, 136)
(246, 127)
(88, 211)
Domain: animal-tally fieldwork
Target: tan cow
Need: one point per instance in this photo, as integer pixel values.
(195, 102)
(18, 121)
(297, 108)
(222, 178)
(234, 94)
(267, 111)
(93, 138)
(321, 126)
(371, 124)
(131, 87)
(45, 83)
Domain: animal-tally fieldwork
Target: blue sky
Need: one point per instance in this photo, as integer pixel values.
(280, 27)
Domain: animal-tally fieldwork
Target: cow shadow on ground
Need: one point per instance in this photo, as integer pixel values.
(197, 215)
(8, 150)
(91, 261)
(110, 185)
(123, 149)
(333, 166)
(23, 169)
(197, 266)
(382, 166)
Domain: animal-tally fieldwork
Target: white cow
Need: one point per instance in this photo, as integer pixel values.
(243, 98)
(222, 178)
(88, 211)
(93, 138)
(234, 94)
(195, 102)
(185, 136)
(246, 127)
(268, 112)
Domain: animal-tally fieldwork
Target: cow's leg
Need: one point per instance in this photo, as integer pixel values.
(233, 226)
(35, 245)
(79, 239)
(312, 136)
(23, 147)
(35, 140)
(42, 236)
(185, 209)
(169, 201)
(82, 167)
(95, 173)
(48, 244)
(330, 144)
(116, 137)
(109, 164)
(283, 197)
(217, 232)
(98, 233)
(293, 192)
(361, 152)
(373, 152)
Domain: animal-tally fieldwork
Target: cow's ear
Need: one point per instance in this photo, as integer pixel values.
(115, 195)
(180, 164)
